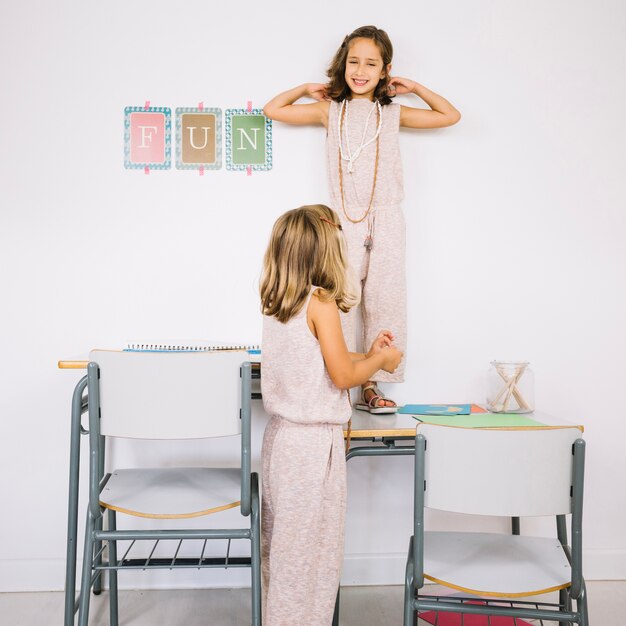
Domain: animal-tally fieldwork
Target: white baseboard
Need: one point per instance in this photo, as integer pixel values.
(373, 569)
(49, 575)
(32, 575)
(388, 569)
(358, 569)
(604, 564)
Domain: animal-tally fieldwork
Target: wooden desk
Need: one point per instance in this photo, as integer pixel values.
(365, 425)
(386, 430)
(383, 432)
(382, 429)
(72, 365)
(374, 435)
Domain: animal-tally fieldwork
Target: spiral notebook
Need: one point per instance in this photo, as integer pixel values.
(190, 346)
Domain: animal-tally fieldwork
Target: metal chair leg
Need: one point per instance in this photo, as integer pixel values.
(336, 612)
(255, 553)
(565, 602)
(97, 548)
(410, 617)
(72, 509)
(113, 596)
(581, 606)
(85, 586)
(99, 581)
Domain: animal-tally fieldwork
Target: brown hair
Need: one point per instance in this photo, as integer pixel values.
(337, 89)
(306, 248)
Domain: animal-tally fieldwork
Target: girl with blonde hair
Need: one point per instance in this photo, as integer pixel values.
(307, 370)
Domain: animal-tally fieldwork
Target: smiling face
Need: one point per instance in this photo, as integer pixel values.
(364, 68)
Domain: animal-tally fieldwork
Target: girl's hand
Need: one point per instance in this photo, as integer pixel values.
(441, 112)
(384, 339)
(283, 107)
(398, 85)
(393, 356)
(317, 91)
(383, 344)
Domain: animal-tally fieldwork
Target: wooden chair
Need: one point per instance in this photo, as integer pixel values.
(151, 395)
(498, 472)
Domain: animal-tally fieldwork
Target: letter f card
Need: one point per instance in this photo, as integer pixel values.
(147, 138)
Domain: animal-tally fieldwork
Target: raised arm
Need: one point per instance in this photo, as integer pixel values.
(344, 368)
(441, 112)
(283, 109)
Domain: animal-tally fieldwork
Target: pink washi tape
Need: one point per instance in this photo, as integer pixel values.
(249, 109)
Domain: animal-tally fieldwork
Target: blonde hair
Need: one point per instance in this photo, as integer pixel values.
(306, 248)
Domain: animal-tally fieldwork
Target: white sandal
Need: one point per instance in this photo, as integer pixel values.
(371, 406)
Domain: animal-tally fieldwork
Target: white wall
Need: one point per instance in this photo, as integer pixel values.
(515, 224)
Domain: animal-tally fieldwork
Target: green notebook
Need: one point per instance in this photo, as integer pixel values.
(480, 420)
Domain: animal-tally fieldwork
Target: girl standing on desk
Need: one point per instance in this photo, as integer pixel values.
(365, 176)
(307, 371)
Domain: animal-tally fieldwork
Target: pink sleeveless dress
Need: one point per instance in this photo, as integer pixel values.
(381, 269)
(304, 477)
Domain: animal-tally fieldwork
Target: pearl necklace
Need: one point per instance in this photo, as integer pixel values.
(351, 158)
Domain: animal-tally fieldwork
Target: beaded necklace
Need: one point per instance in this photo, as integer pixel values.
(351, 158)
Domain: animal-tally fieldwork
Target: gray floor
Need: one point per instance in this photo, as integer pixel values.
(360, 606)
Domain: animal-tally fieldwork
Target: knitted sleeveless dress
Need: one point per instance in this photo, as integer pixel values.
(380, 269)
(304, 477)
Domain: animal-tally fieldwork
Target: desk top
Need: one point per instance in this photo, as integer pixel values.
(366, 426)
(72, 365)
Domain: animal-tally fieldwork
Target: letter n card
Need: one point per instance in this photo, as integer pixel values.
(147, 138)
(248, 139)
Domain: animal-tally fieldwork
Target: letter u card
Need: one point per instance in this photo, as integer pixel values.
(198, 138)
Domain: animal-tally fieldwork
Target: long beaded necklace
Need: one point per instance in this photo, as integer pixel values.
(351, 158)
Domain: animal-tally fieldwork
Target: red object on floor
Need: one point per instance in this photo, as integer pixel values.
(454, 619)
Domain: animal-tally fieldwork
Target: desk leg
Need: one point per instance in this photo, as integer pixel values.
(72, 508)
(336, 613)
(515, 530)
(389, 449)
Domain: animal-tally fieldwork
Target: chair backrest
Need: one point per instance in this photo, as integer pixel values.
(169, 395)
(517, 472)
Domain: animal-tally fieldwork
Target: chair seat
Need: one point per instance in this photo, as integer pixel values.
(491, 564)
(172, 492)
